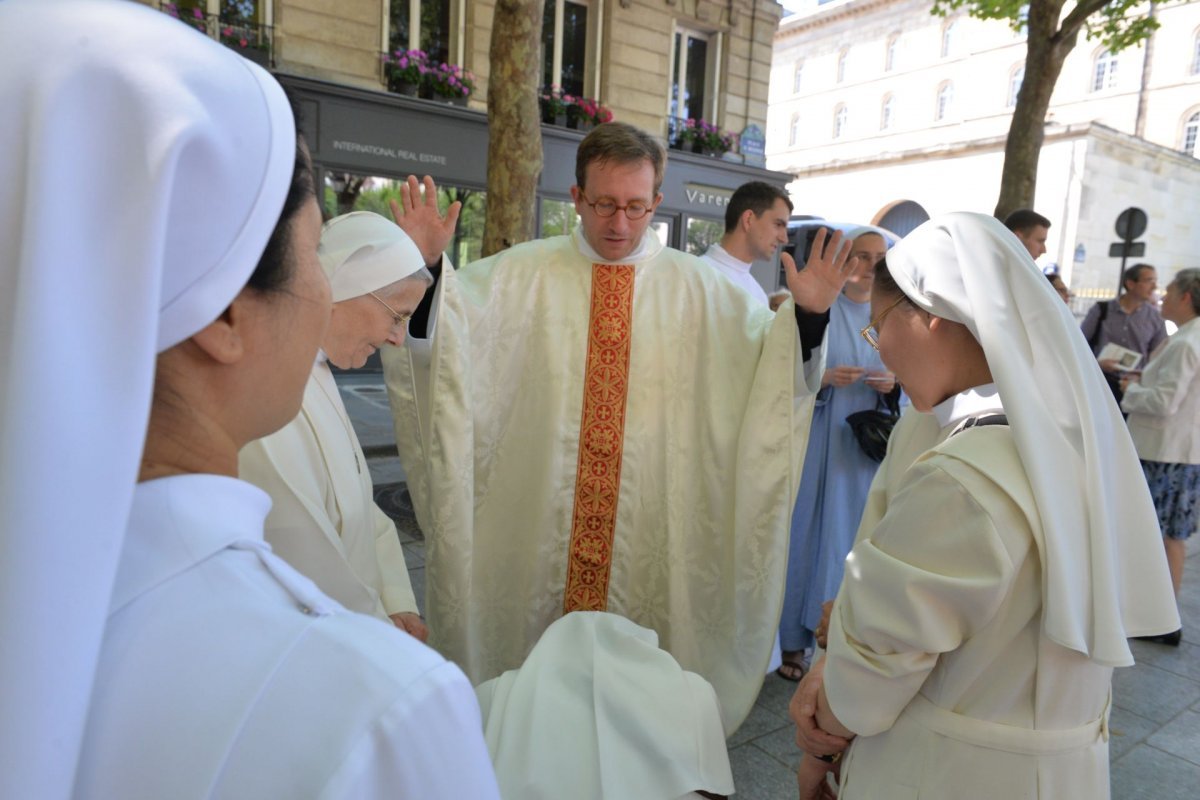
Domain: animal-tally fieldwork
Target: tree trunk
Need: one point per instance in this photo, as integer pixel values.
(1046, 49)
(514, 125)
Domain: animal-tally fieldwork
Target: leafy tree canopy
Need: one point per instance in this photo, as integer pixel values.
(1117, 23)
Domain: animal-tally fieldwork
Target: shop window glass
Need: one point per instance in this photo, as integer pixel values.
(701, 233)
(346, 192)
(558, 217)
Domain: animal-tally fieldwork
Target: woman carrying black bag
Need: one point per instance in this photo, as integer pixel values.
(837, 470)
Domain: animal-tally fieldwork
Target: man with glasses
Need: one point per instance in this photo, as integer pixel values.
(755, 227)
(1131, 321)
(597, 422)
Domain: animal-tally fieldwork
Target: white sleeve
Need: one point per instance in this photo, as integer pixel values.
(428, 745)
(395, 591)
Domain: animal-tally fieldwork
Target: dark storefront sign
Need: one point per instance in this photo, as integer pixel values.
(386, 135)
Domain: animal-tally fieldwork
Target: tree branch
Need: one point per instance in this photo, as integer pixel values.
(1078, 16)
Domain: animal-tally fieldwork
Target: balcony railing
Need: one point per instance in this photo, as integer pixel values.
(250, 39)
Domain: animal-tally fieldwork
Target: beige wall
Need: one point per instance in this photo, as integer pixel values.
(341, 41)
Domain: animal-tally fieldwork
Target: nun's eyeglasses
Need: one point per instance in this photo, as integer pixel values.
(871, 332)
(399, 321)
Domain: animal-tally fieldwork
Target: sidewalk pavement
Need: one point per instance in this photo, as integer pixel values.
(1155, 746)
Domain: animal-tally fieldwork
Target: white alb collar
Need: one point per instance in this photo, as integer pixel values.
(971, 403)
(718, 253)
(647, 248)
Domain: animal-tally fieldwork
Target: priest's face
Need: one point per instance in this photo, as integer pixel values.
(629, 187)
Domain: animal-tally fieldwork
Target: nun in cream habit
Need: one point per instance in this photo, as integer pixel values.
(324, 520)
(1007, 550)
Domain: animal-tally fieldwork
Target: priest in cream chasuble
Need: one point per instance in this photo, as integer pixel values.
(599, 422)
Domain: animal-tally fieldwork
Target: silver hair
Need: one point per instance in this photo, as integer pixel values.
(1187, 281)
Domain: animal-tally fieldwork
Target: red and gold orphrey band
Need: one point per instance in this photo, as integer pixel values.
(601, 438)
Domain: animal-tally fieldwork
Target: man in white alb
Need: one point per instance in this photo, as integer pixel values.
(755, 226)
(596, 422)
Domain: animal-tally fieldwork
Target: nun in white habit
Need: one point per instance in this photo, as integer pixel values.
(324, 520)
(997, 574)
(153, 645)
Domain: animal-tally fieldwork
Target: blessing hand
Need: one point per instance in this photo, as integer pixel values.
(820, 282)
(419, 217)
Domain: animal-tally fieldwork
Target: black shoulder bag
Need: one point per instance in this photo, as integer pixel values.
(872, 427)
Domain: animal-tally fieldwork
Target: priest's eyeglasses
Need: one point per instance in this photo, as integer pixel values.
(604, 207)
(871, 332)
(399, 321)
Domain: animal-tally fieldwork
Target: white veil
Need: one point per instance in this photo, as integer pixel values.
(1104, 573)
(144, 169)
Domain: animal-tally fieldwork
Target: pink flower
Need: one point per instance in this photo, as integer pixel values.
(242, 42)
(197, 13)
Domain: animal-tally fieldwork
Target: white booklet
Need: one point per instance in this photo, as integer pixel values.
(1126, 359)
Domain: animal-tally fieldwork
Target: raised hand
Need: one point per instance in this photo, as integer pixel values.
(816, 286)
(419, 217)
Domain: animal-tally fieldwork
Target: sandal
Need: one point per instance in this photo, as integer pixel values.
(791, 670)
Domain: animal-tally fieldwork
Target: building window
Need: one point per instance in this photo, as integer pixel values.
(945, 101)
(1190, 130)
(841, 64)
(889, 53)
(840, 115)
(1104, 74)
(885, 113)
(564, 45)
(241, 25)
(794, 131)
(796, 77)
(948, 38)
(431, 34)
(1014, 86)
(689, 75)
(1196, 55)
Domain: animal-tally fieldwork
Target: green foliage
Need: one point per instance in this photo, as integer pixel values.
(1117, 31)
(1114, 22)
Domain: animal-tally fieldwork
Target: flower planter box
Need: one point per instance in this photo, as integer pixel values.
(405, 88)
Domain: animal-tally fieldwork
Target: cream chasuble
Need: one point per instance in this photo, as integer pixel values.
(323, 520)
(689, 464)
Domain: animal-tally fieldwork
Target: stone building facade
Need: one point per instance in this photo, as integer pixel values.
(654, 63)
(886, 113)
(630, 52)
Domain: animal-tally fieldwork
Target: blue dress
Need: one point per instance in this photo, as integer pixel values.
(834, 484)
